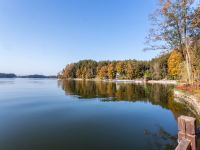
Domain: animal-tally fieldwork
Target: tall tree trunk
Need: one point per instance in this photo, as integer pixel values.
(188, 58)
(190, 73)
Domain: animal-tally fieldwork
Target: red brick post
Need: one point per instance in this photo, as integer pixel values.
(187, 131)
(184, 145)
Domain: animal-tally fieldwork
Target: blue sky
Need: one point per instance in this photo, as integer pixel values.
(42, 36)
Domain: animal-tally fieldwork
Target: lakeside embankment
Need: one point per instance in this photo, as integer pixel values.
(174, 82)
(192, 102)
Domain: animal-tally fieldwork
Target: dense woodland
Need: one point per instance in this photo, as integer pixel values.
(175, 30)
(129, 69)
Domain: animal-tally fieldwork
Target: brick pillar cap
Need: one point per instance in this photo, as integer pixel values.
(186, 118)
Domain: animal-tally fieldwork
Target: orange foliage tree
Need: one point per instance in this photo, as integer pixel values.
(174, 63)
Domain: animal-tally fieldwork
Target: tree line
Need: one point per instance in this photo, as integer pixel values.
(155, 69)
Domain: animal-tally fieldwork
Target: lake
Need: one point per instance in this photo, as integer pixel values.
(46, 114)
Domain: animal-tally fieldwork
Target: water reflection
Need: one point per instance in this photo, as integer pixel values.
(117, 91)
(35, 114)
(161, 139)
(156, 94)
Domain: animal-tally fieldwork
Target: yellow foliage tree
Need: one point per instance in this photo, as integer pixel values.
(120, 67)
(103, 72)
(174, 63)
(111, 71)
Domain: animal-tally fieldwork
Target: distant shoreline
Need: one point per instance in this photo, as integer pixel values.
(12, 75)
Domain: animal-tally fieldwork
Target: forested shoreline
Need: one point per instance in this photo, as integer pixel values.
(7, 75)
(12, 75)
(155, 69)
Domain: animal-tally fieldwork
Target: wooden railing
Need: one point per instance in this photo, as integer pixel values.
(188, 132)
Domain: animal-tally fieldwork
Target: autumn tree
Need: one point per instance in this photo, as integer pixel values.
(195, 46)
(103, 72)
(134, 70)
(78, 73)
(171, 27)
(196, 61)
(130, 71)
(174, 64)
(86, 69)
(69, 71)
(121, 68)
(111, 71)
(158, 67)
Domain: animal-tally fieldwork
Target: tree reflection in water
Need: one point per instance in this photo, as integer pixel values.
(155, 94)
(161, 140)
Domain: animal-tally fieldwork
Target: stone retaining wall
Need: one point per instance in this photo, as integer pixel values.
(192, 102)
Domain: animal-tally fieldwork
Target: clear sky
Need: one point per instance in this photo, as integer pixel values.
(42, 36)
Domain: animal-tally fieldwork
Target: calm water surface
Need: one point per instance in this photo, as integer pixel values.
(46, 114)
